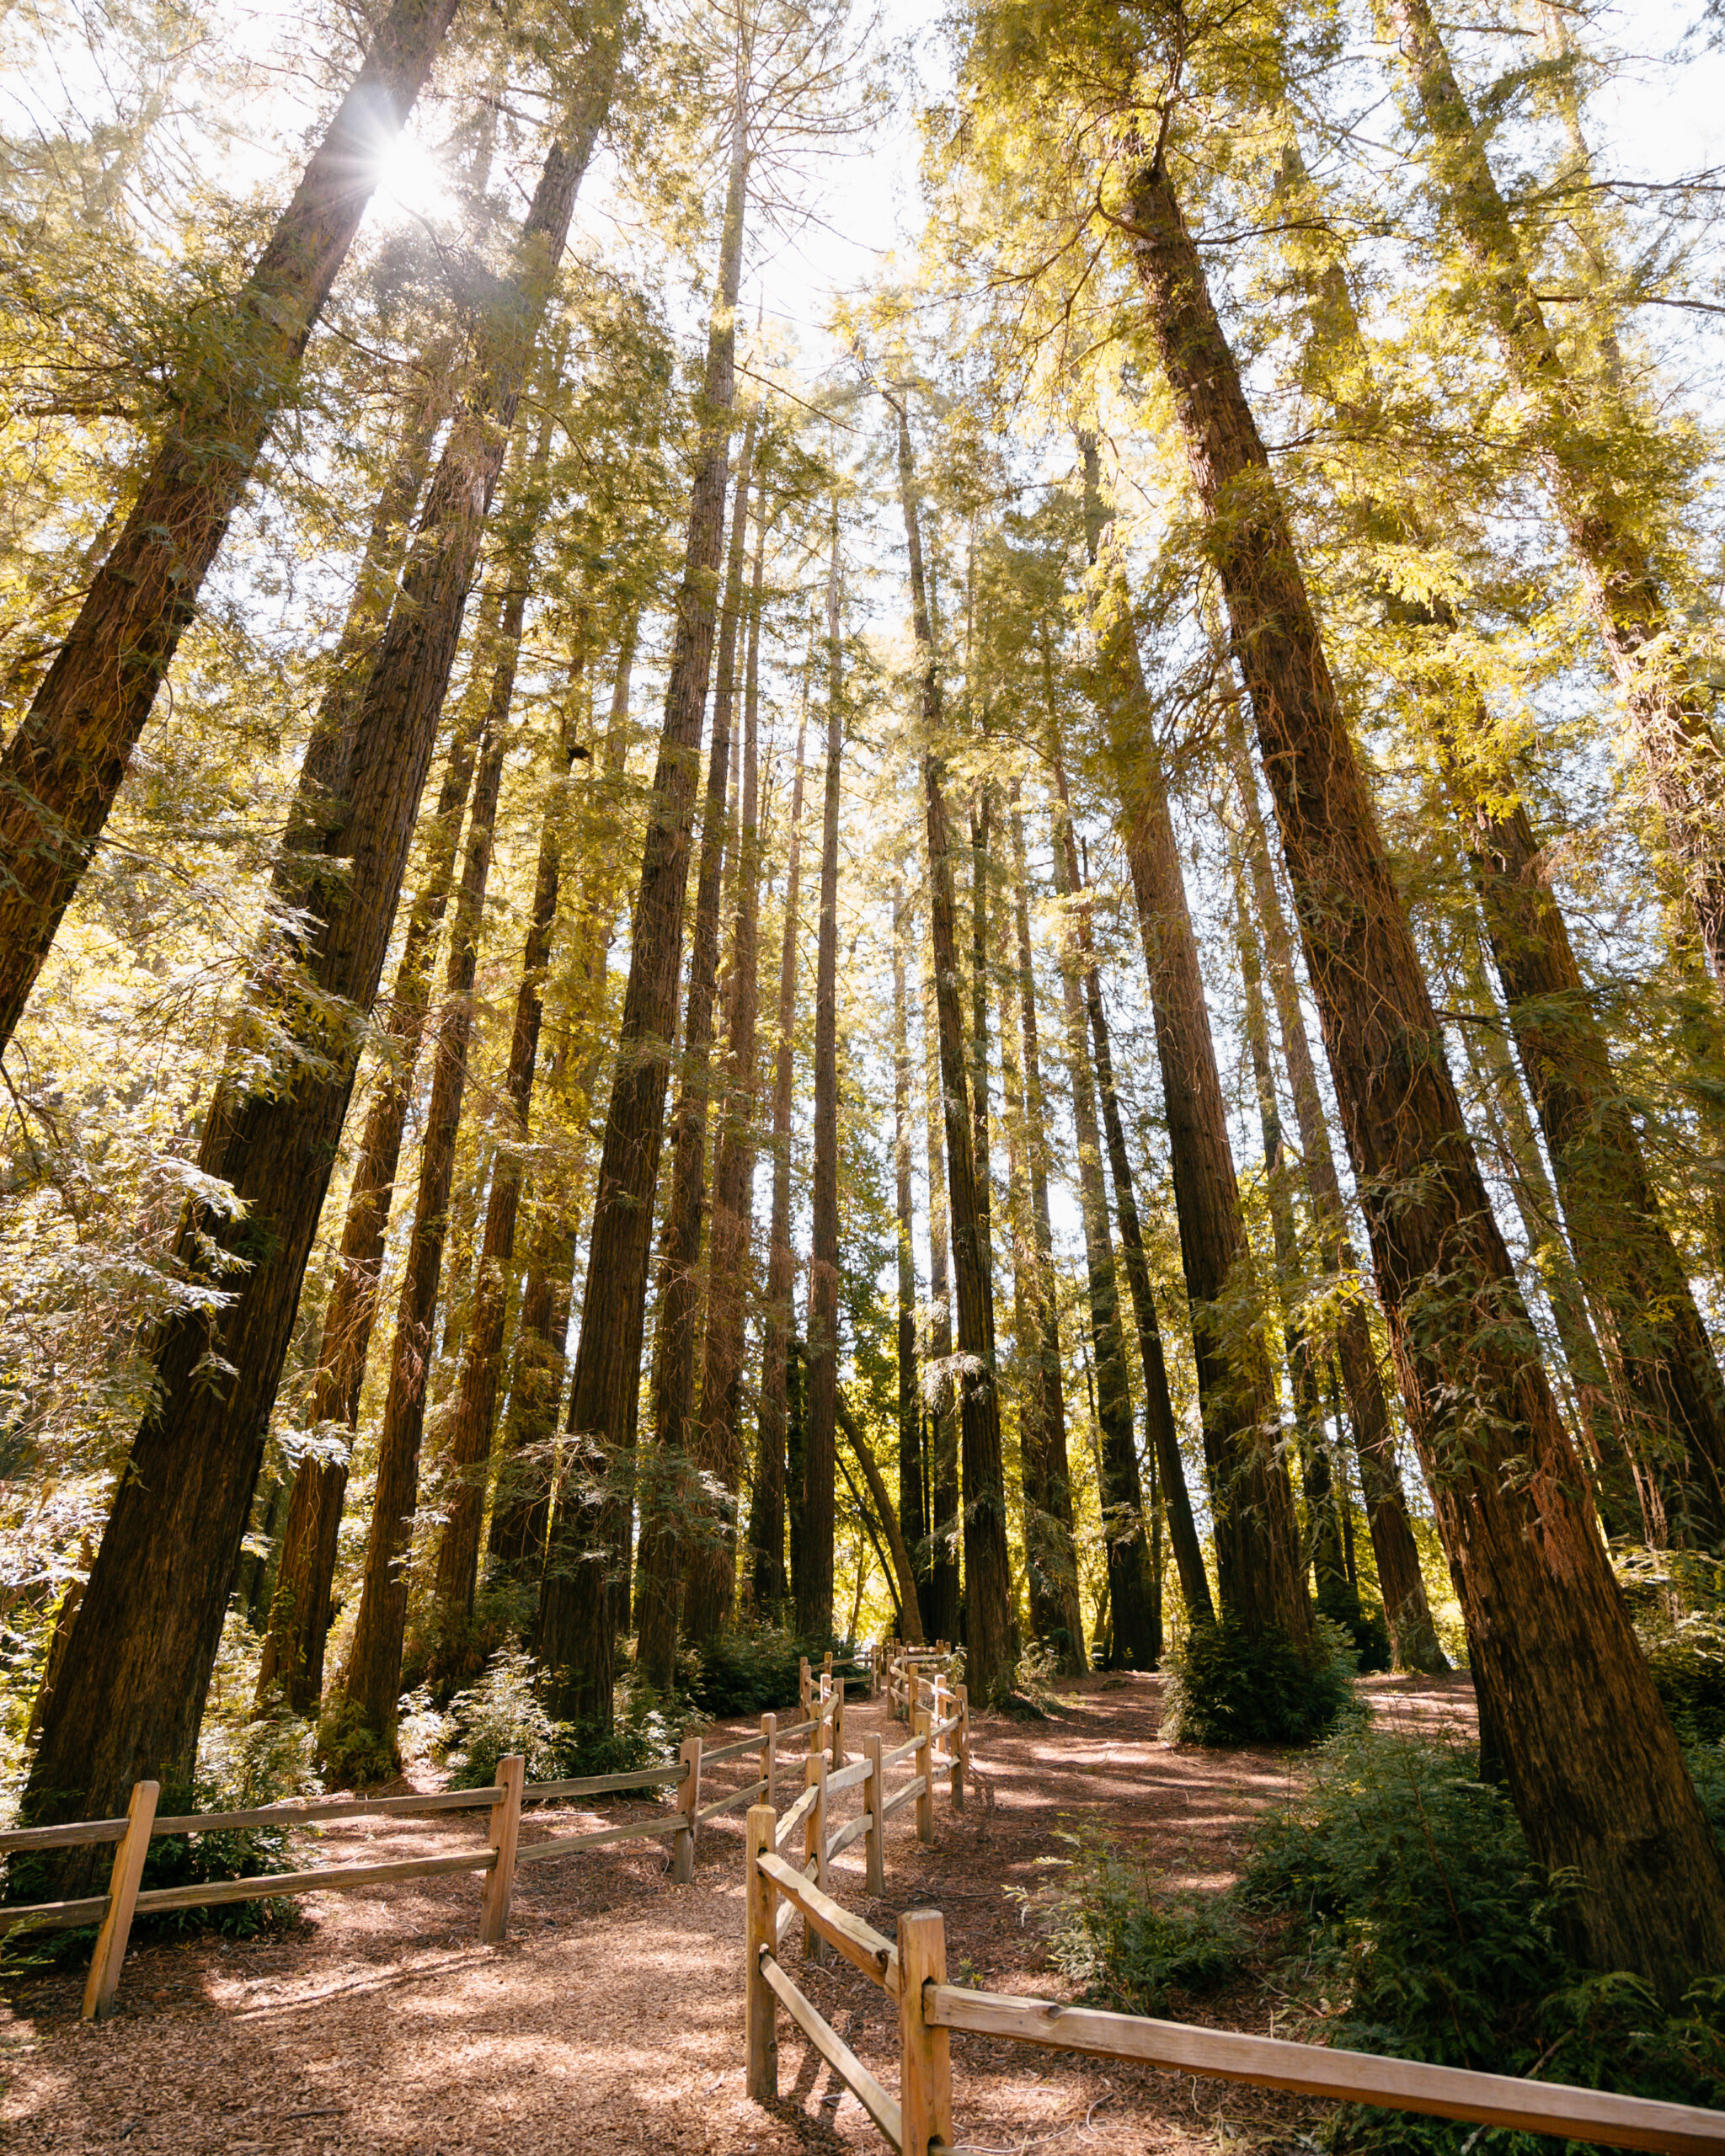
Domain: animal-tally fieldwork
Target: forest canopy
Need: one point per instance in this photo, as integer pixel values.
(817, 825)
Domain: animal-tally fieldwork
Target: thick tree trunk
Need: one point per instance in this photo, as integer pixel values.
(987, 1569)
(767, 1513)
(1667, 707)
(131, 1693)
(1136, 1621)
(1592, 1766)
(940, 1449)
(300, 1614)
(686, 1541)
(1406, 1609)
(913, 1517)
(65, 764)
(1258, 1570)
(720, 1442)
(371, 1681)
(1050, 1554)
(577, 1620)
(815, 1581)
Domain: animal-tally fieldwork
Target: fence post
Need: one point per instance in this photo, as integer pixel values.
(759, 2012)
(817, 1709)
(815, 1845)
(838, 1723)
(103, 1979)
(683, 1862)
(769, 1758)
(804, 1689)
(874, 1791)
(925, 1767)
(961, 1746)
(925, 2053)
(505, 1831)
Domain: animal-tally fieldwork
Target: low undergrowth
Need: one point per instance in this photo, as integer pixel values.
(1226, 1689)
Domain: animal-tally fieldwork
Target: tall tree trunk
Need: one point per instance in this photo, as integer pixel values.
(1135, 1621)
(686, 1541)
(131, 1695)
(65, 763)
(719, 1444)
(912, 1519)
(1258, 1571)
(987, 1568)
(767, 1513)
(520, 1509)
(1668, 705)
(577, 1620)
(1050, 1553)
(1593, 1768)
(940, 1449)
(815, 1582)
(300, 1614)
(1407, 1610)
(372, 1681)
(903, 1578)
(456, 1574)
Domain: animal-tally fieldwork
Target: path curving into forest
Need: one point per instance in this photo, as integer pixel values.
(611, 2020)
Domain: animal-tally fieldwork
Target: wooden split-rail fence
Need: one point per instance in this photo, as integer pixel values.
(821, 1728)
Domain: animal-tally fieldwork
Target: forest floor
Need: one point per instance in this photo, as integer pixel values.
(611, 2019)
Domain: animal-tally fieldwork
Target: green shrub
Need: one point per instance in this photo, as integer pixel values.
(750, 1670)
(1113, 1932)
(1226, 1689)
(501, 1715)
(1706, 1770)
(1368, 1634)
(1423, 1928)
(1688, 1662)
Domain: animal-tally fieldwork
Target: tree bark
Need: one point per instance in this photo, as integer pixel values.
(767, 1514)
(940, 1449)
(576, 1627)
(1136, 1621)
(904, 1576)
(987, 1569)
(1050, 1553)
(912, 1519)
(1406, 1609)
(1593, 1768)
(1667, 707)
(719, 1430)
(1258, 1570)
(65, 764)
(815, 1582)
(685, 1541)
(131, 1693)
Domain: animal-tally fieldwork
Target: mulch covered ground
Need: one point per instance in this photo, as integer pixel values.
(611, 2019)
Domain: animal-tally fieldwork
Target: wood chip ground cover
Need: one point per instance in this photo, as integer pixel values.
(611, 2020)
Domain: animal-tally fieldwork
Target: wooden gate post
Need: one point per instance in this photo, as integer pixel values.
(683, 1862)
(505, 1831)
(925, 2053)
(960, 1746)
(103, 1979)
(874, 1794)
(925, 1767)
(769, 1758)
(815, 1845)
(759, 2010)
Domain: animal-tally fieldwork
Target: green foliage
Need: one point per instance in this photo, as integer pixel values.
(1362, 1622)
(1706, 1770)
(750, 1669)
(1688, 1662)
(501, 1715)
(1127, 1944)
(1425, 1929)
(1226, 1689)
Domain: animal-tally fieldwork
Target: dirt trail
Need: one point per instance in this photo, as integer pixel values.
(611, 2019)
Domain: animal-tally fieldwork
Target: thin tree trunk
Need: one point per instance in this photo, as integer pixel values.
(940, 1451)
(577, 1618)
(987, 1569)
(890, 1526)
(1593, 1768)
(913, 1517)
(1407, 1610)
(65, 764)
(131, 1693)
(815, 1582)
(1668, 706)
(767, 1512)
(684, 1542)
(720, 1443)
(1136, 1624)
(371, 1681)
(1050, 1553)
